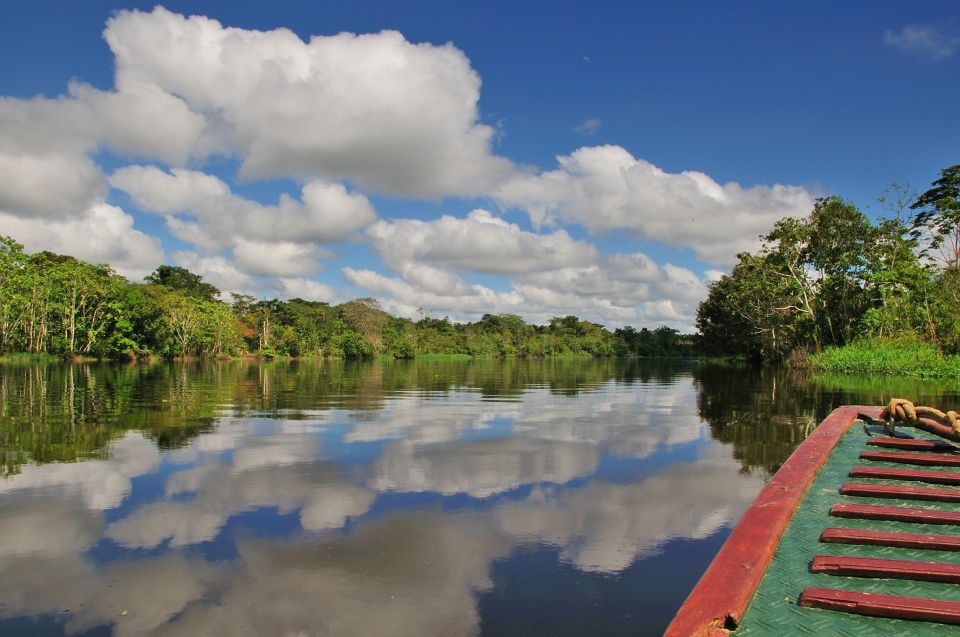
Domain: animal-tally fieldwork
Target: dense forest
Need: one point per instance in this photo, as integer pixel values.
(837, 278)
(58, 305)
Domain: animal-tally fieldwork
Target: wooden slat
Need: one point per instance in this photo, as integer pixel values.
(897, 569)
(929, 494)
(912, 444)
(877, 605)
(897, 539)
(930, 459)
(918, 475)
(897, 514)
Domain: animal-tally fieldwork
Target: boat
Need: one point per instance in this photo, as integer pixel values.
(858, 533)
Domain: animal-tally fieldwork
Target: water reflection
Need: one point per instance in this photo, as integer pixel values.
(385, 498)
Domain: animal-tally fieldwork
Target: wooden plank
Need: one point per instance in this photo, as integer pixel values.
(897, 539)
(877, 605)
(929, 494)
(896, 514)
(719, 600)
(930, 459)
(919, 475)
(912, 444)
(884, 568)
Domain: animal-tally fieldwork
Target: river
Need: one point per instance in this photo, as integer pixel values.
(421, 498)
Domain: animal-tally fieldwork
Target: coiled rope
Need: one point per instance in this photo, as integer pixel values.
(904, 411)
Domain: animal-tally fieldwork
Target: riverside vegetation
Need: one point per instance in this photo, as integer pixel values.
(58, 306)
(844, 293)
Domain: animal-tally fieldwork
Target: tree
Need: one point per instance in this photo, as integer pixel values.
(184, 281)
(938, 216)
(747, 311)
(15, 273)
(898, 283)
(185, 317)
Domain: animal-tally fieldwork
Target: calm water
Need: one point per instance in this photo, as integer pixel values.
(407, 498)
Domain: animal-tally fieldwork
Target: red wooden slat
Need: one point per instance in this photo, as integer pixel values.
(898, 569)
(897, 514)
(912, 443)
(877, 605)
(920, 475)
(929, 494)
(898, 539)
(932, 459)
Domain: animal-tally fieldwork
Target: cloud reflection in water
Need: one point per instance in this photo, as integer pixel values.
(501, 476)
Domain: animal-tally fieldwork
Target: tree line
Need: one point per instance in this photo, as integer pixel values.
(837, 277)
(59, 305)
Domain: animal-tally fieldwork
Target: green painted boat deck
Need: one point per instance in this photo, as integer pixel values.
(774, 609)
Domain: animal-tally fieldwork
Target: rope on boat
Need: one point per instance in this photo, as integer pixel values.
(904, 411)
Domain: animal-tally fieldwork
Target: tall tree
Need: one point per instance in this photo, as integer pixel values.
(938, 216)
(183, 280)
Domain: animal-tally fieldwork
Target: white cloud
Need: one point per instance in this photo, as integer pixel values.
(278, 241)
(45, 169)
(48, 185)
(284, 259)
(308, 290)
(613, 290)
(480, 242)
(100, 234)
(406, 298)
(326, 212)
(605, 188)
(930, 41)
(549, 274)
(391, 116)
(142, 121)
(589, 127)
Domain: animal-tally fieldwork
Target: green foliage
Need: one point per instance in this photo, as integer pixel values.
(55, 304)
(836, 277)
(938, 216)
(904, 357)
(184, 281)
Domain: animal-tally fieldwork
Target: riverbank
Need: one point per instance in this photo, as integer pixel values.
(890, 356)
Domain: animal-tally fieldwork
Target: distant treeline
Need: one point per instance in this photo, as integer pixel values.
(837, 278)
(58, 305)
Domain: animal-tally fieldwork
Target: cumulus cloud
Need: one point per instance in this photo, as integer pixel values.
(613, 290)
(605, 188)
(100, 234)
(548, 274)
(390, 115)
(267, 240)
(53, 185)
(934, 42)
(481, 242)
(285, 258)
(45, 168)
(307, 289)
(326, 212)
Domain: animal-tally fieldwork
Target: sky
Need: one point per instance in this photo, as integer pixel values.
(604, 159)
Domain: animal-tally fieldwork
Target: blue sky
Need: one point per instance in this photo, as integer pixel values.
(599, 159)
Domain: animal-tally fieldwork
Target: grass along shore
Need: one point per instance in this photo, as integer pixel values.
(888, 356)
